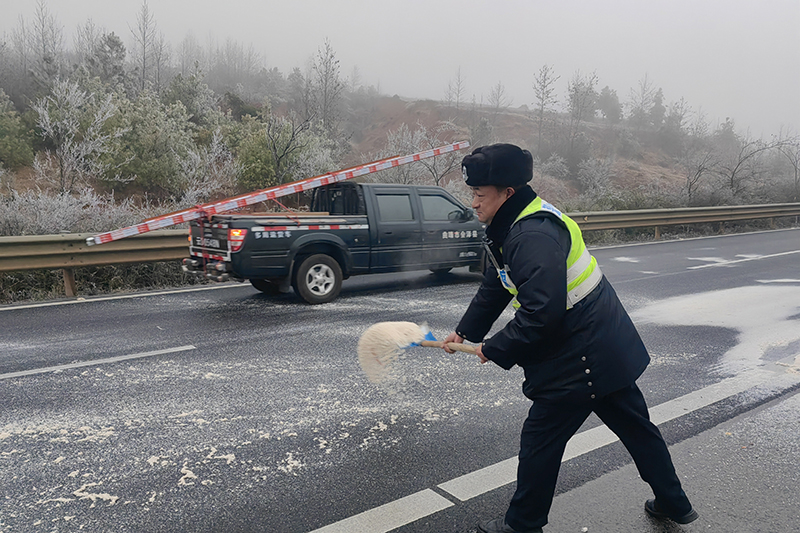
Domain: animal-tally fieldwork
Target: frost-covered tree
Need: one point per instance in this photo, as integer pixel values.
(72, 121)
(46, 42)
(791, 151)
(327, 88)
(16, 142)
(286, 138)
(456, 88)
(498, 100)
(433, 170)
(439, 166)
(741, 161)
(156, 138)
(595, 176)
(545, 93)
(402, 141)
(198, 99)
(208, 172)
(609, 106)
(144, 37)
(641, 102)
(582, 104)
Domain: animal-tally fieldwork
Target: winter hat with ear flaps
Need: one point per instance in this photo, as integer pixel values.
(498, 164)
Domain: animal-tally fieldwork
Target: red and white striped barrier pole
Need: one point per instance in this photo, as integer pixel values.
(269, 194)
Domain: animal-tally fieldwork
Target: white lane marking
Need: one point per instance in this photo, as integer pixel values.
(722, 262)
(120, 297)
(391, 515)
(710, 260)
(497, 475)
(690, 239)
(778, 281)
(410, 508)
(622, 259)
(95, 362)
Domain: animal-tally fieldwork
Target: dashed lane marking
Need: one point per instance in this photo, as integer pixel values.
(722, 262)
(94, 362)
(391, 515)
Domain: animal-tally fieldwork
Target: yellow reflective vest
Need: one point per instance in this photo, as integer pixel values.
(583, 273)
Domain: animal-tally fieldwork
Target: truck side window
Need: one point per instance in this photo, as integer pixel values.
(439, 208)
(395, 207)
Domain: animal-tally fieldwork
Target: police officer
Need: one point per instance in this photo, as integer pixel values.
(575, 342)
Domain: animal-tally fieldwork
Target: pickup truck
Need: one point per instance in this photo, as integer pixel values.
(351, 229)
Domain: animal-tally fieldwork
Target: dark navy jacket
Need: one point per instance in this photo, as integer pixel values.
(579, 354)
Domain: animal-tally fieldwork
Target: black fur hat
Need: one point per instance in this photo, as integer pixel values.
(498, 164)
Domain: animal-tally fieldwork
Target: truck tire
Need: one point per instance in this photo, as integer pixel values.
(318, 279)
(266, 286)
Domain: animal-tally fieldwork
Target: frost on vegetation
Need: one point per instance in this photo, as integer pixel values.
(72, 121)
(209, 172)
(44, 212)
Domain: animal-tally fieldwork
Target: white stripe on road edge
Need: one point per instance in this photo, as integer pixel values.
(120, 297)
(391, 515)
(505, 472)
(386, 517)
(95, 362)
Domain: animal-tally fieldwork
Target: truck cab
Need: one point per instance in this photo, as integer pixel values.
(351, 229)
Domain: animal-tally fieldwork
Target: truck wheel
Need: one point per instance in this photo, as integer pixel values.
(266, 286)
(318, 279)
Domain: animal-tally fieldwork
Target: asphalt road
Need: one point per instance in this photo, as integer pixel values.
(223, 410)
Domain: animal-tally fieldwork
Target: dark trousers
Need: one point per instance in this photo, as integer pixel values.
(551, 424)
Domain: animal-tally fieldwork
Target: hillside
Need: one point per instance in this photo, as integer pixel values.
(648, 166)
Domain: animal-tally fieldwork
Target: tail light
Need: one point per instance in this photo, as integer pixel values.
(236, 239)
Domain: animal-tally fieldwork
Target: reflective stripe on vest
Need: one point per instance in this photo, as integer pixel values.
(583, 273)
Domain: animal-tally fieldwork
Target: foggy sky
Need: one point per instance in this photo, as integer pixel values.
(730, 58)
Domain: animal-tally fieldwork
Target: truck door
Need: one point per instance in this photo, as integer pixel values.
(451, 236)
(399, 235)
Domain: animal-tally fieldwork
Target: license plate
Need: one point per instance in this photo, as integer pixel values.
(206, 242)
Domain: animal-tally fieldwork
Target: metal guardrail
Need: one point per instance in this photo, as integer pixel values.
(600, 220)
(69, 250)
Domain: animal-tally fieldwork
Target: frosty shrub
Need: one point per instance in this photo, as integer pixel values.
(209, 173)
(401, 141)
(555, 166)
(73, 121)
(595, 176)
(90, 281)
(44, 212)
(316, 157)
(459, 189)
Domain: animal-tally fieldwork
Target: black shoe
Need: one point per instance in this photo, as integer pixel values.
(498, 525)
(651, 507)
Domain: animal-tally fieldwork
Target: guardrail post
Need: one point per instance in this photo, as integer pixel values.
(69, 282)
(658, 233)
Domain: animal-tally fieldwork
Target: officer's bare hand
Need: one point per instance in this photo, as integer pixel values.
(453, 337)
(479, 352)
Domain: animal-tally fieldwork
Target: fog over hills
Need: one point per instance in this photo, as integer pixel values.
(737, 59)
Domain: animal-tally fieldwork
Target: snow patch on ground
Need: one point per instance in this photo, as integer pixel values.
(765, 317)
